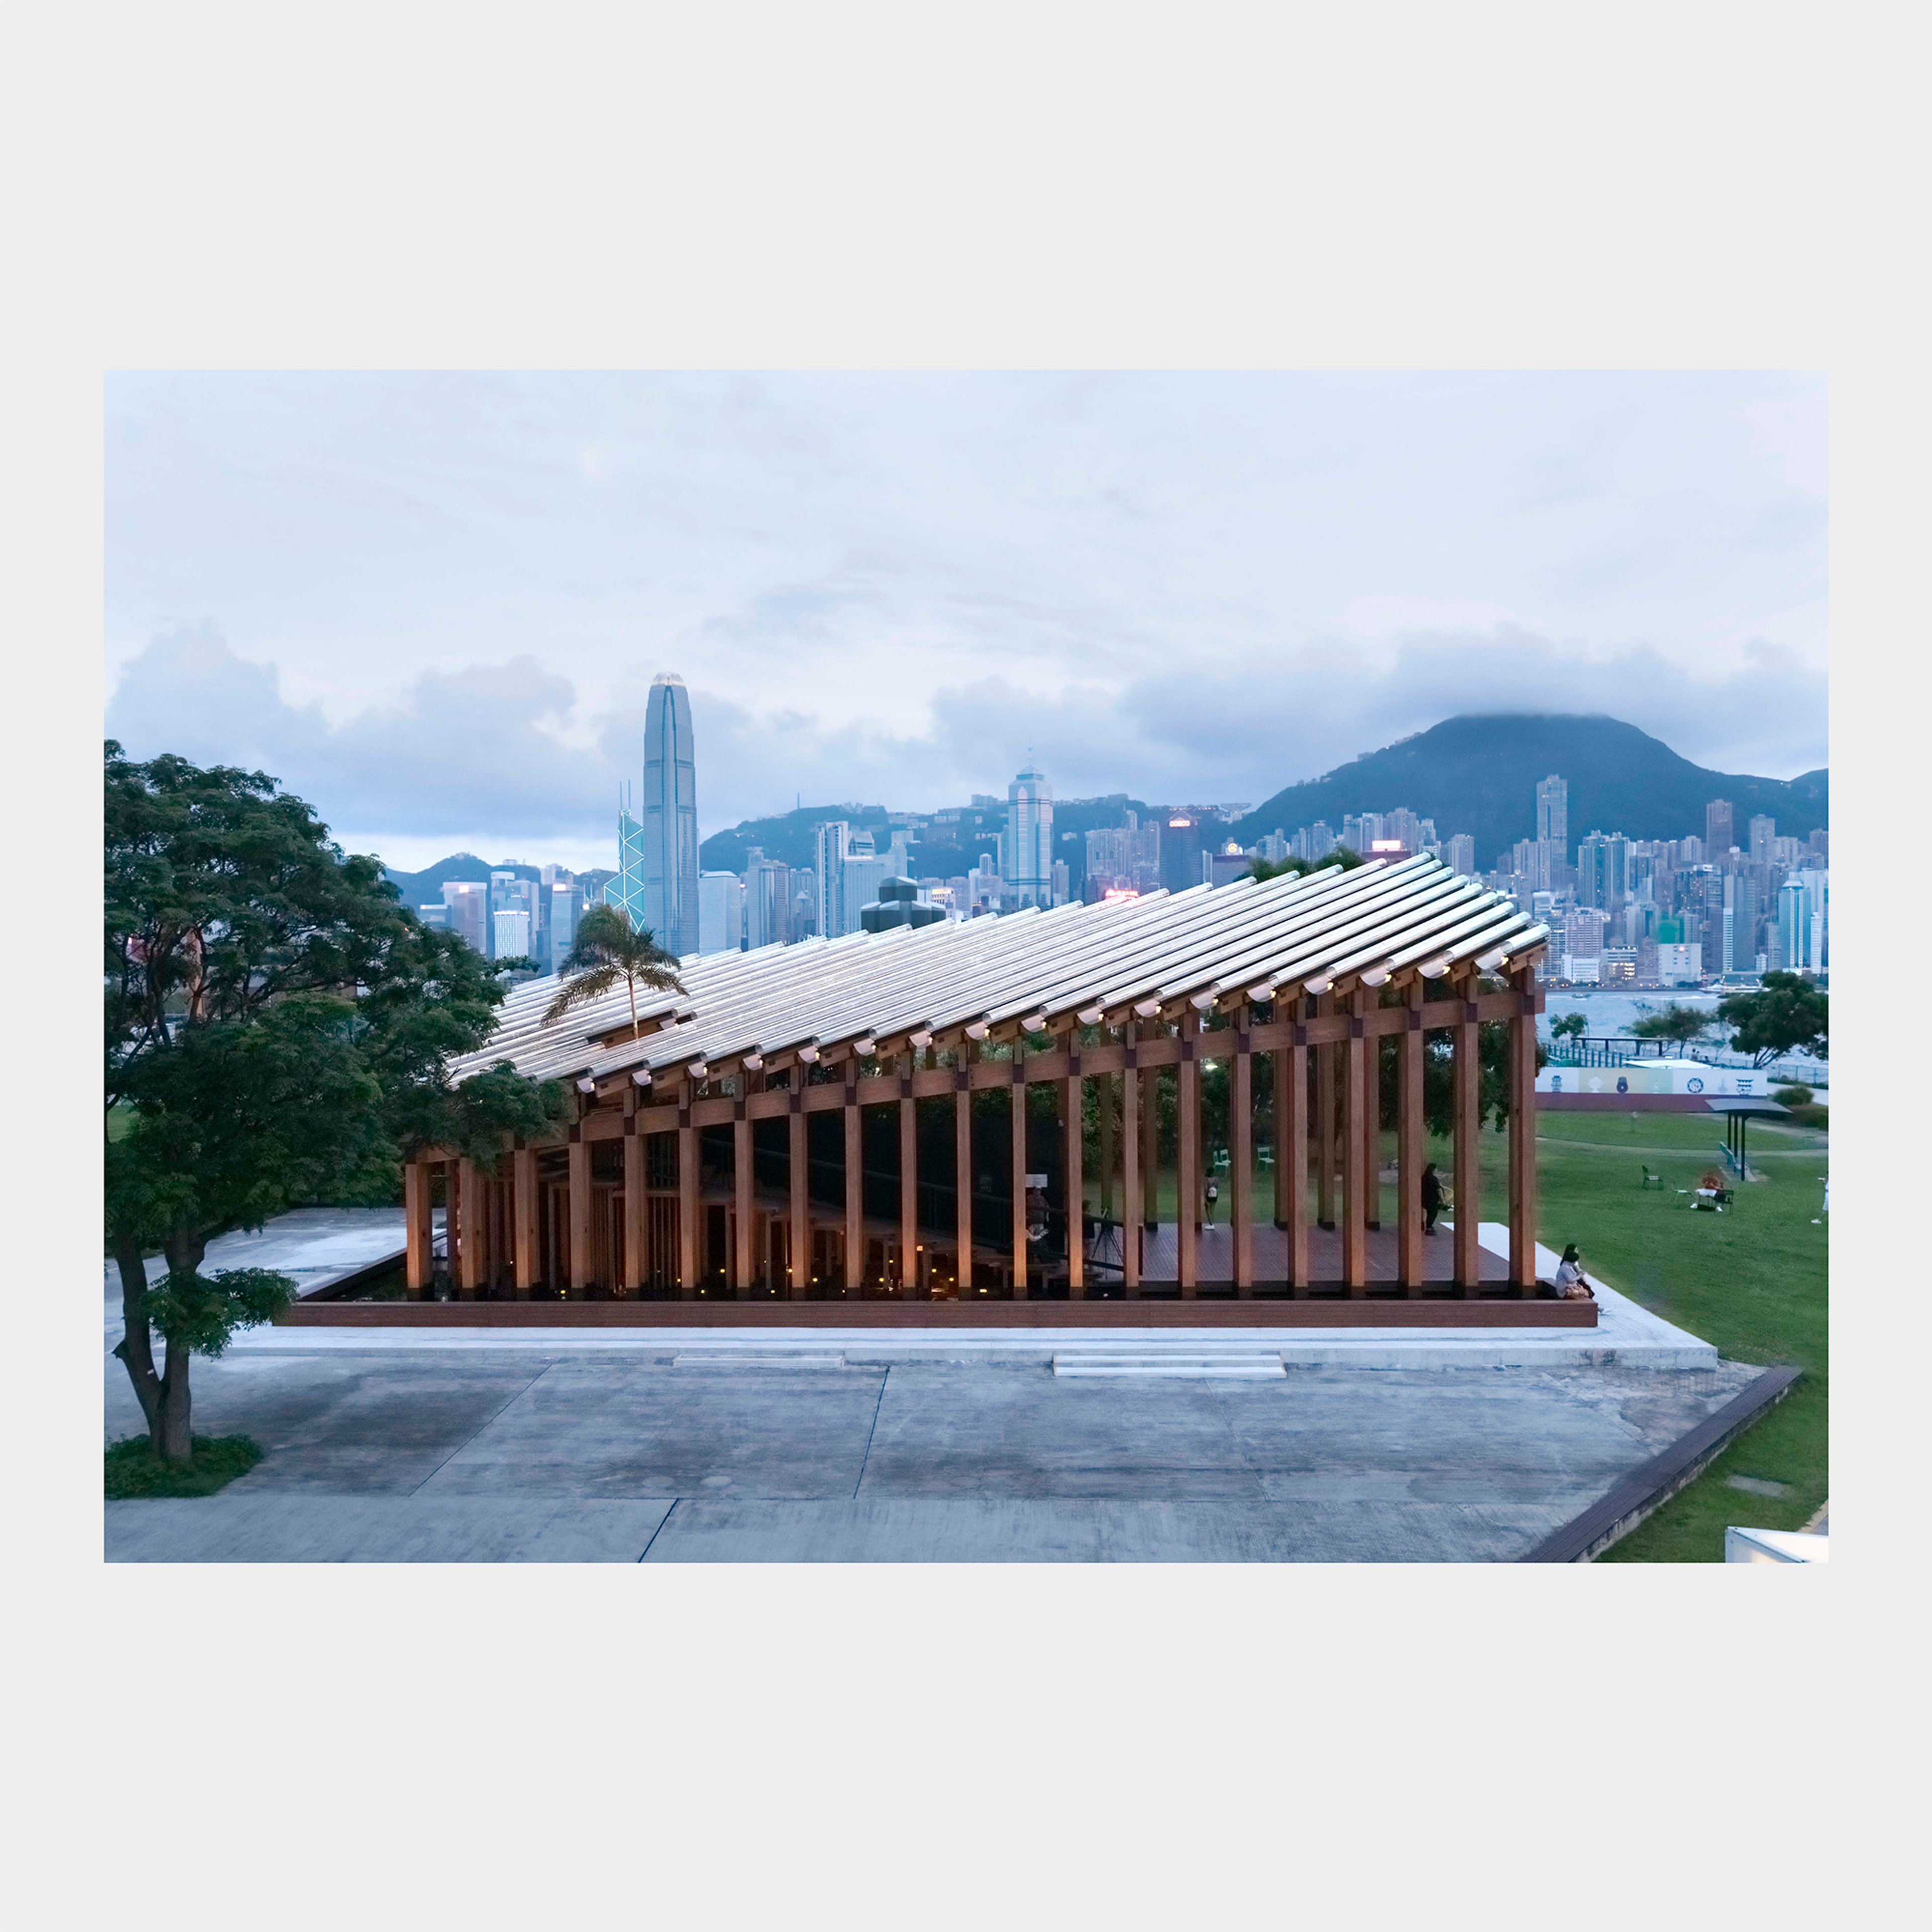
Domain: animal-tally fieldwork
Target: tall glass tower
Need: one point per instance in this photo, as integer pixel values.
(657, 881)
(1027, 848)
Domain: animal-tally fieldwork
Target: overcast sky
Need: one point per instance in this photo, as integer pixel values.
(434, 604)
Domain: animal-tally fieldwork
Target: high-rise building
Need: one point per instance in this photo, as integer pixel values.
(1026, 851)
(770, 889)
(511, 930)
(1180, 844)
(467, 905)
(859, 879)
(566, 908)
(1552, 811)
(721, 912)
(657, 881)
(1763, 830)
(1794, 927)
(831, 843)
(1720, 834)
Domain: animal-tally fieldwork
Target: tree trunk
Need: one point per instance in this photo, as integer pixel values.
(173, 1438)
(137, 1349)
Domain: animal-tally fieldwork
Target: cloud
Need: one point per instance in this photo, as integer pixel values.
(499, 756)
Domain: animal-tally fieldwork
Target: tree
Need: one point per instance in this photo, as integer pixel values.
(276, 1027)
(1787, 1015)
(607, 952)
(1679, 1025)
(1264, 869)
(1569, 1026)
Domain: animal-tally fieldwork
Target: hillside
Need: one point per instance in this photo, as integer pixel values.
(1479, 775)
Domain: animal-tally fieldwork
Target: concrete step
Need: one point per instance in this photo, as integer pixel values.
(760, 1358)
(1244, 1364)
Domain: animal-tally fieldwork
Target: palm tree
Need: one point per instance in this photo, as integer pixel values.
(607, 949)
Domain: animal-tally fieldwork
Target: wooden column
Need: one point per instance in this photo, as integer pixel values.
(580, 1212)
(1523, 1132)
(962, 1154)
(1291, 1151)
(1354, 1193)
(1372, 1128)
(1073, 1140)
(744, 1268)
(1187, 1155)
(1130, 1169)
(1468, 1185)
(1103, 1097)
(1408, 1139)
(1241, 1154)
(798, 1175)
(855, 1182)
(417, 1234)
(1149, 1130)
(908, 1179)
(1019, 1153)
(1279, 1071)
(470, 1231)
(523, 1218)
(687, 1197)
(636, 1195)
(1327, 1061)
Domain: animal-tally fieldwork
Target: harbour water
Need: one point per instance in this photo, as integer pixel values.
(1612, 1015)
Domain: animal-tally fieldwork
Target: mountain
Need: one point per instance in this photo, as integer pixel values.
(1479, 775)
(425, 888)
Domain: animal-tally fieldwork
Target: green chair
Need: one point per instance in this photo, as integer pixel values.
(1655, 1180)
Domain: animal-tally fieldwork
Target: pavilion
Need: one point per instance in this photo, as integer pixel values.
(884, 1119)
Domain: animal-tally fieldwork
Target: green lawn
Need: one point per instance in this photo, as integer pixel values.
(1751, 1281)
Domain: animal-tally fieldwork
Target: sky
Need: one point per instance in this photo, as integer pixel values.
(433, 603)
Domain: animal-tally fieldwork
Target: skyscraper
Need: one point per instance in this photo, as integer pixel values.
(831, 843)
(1720, 833)
(657, 884)
(1763, 831)
(1553, 813)
(1026, 852)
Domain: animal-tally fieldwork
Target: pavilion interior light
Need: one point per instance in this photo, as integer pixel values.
(1319, 984)
(1091, 1015)
(865, 1049)
(642, 1076)
(586, 1086)
(699, 1070)
(1201, 1002)
(978, 1030)
(1433, 969)
(753, 1061)
(922, 1038)
(1147, 1008)
(1033, 1022)
(809, 1054)
(1376, 976)
(1492, 959)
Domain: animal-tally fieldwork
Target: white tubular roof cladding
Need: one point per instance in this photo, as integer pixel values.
(822, 993)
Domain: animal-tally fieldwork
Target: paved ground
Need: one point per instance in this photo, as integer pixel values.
(503, 1454)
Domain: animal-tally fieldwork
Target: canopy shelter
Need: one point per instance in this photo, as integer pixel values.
(1737, 1115)
(694, 1162)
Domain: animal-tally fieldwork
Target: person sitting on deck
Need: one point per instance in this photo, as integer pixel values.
(1431, 1198)
(1570, 1285)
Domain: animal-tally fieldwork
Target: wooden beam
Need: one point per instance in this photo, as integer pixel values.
(1408, 1145)
(417, 1232)
(962, 1154)
(1241, 1156)
(1290, 1157)
(1187, 1156)
(855, 1184)
(909, 1181)
(636, 1183)
(798, 1175)
(687, 1197)
(1130, 1179)
(1522, 1132)
(1073, 1141)
(1354, 1188)
(580, 1216)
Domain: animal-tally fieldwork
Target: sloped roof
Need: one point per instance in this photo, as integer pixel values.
(1088, 964)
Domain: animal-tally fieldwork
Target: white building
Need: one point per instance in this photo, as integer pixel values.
(721, 912)
(1679, 963)
(512, 933)
(830, 844)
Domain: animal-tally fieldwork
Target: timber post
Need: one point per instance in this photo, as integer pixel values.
(1522, 1130)
(1020, 1287)
(1354, 1143)
(1130, 1164)
(1187, 1155)
(1073, 1144)
(580, 1211)
(523, 1218)
(1291, 1153)
(964, 1054)
(798, 1240)
(687, 1196)
(1409, 1141)
(855, 1184)
(1241, 1179)
(908, 1178)
(1468, 1105)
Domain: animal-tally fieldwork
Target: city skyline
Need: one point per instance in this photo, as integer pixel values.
(421, 598)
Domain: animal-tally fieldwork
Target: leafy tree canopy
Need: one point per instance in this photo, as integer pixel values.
(1787, 1015)
(1678, 1024)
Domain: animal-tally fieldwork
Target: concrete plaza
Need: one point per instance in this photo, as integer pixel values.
(497, 1454)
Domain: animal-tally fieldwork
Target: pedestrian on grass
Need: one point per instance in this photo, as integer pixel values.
(1431, 1198)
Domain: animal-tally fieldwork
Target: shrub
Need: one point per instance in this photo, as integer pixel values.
(1793, 1093)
